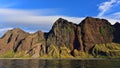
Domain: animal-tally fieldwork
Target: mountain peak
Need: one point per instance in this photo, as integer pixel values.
(61, 23)
(88, 17)
(39, 31)
(117, 23)
(61, 20)
(17, 29)
(64, 37)
(92, 20)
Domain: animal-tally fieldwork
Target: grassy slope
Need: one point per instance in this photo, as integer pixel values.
(110, 50)
(106, 50)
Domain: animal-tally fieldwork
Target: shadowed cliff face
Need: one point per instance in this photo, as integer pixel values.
(61, 33)
(65, 38)
(64, 33)
(116, 32)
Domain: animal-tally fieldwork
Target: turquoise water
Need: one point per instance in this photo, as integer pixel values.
(57, 63)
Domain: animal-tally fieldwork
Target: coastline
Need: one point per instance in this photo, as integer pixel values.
(59, 58)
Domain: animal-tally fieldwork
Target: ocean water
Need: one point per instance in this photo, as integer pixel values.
(59, 63)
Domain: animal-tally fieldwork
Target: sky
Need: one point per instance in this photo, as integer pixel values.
(34, 15)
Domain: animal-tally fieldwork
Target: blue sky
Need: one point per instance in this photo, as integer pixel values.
(33, 15)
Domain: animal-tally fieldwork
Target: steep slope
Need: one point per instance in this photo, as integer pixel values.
(93, 36)
(109, 50)
(62, 33)
(95, 31)
(17, 40)
(65, 34)
(33, 45)
(12, 40)
(116, 32)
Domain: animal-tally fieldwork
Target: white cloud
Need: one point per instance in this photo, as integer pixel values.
(4, 30)
(113, 18)
(116, 15)
(112, 21)
(106, 6)
(31, 17)
(40, 18)
(35, 17)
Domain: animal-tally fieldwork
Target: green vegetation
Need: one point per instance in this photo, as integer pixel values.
(65, 52)
(55, 52)
(109, 50)
(68, 29)
(81, 54)
(12, 54)
(111, 28)
(9, 54)
(106, 50)
(102, 30)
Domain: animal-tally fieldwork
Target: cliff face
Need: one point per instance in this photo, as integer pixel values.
(33, 45)
(12, 40)
(95, 31)
(17, 40)
(62, 34)
(65, 34)
(116, 32)
(64, 39)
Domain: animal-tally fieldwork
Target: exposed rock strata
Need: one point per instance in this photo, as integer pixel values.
(65, 38)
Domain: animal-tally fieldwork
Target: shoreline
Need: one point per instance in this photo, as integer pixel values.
(59, 58)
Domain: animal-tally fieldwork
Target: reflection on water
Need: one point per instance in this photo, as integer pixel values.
(40, 63)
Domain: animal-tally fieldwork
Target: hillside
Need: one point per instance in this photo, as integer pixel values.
(93, 37)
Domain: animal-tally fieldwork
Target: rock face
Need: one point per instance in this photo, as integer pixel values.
(65, 34)
(34, 44)
(17, 40)
(116, 32)
(95, 31)
(62, 34)
(64, 39)
(12, 40)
